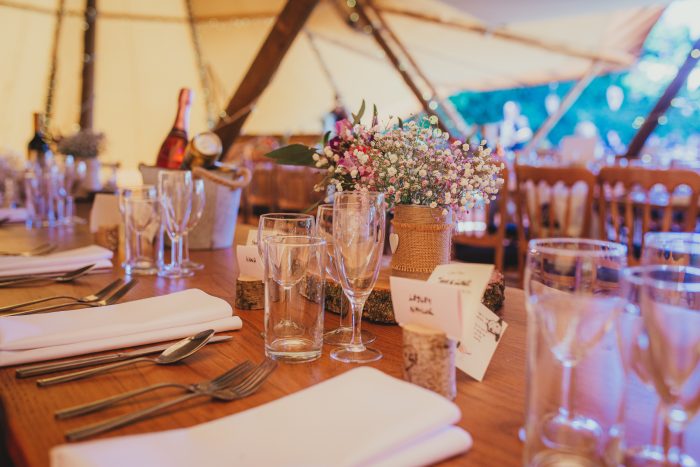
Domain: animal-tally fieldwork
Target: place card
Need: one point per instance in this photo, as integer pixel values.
(475, 350)
(252, 237)
(249, 261)
(471, 278)
(431, 305)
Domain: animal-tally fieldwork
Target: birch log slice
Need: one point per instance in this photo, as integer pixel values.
(429, 360)
(250, 293)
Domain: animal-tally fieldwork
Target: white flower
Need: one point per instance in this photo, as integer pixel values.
(391, 171)
(429, 193)
(433, 120)
(448, 197)
(315, 157)
(353, 173)
(393, 158)
(332, 169)
(362, 157)
(433, 204)
(422, 173)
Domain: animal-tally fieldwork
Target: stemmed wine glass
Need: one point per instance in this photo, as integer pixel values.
(571, 289)
(343, 333)
(286, 224)
(358, 236)
(176, 190)
(198, 200)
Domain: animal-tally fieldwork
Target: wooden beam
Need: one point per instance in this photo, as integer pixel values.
(569, 100)
(48, 108)
(450, 111)
(400, 68)
(286, 28)
(664, 102)
(87, 90)
(617, 59)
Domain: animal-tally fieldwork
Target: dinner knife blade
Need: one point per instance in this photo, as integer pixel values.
(45, 368)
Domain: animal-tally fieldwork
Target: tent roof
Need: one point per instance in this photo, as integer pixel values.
(145, 53)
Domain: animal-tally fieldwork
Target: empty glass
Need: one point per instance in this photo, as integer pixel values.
(198, 200)
(358, 235)
(176, 190)
(41, 188)
(571, 288)
(294, 318)
(341, 335)
(140, 249)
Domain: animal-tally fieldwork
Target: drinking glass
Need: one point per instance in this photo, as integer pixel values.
(198, 200)
(572, 297)
(294, 318)
(669, 301)
(358, 236)
(132, 240)
(143, 221)
(274, 224)
(41, 186)
(176, 190)
(343, 333)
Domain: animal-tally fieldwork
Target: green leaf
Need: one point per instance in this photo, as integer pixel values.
(357, 117)
(326, 137)
(294, 154)
(375, 115)
(400, 122)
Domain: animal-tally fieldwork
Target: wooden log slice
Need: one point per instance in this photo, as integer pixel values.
(429, 360)
(250, 294)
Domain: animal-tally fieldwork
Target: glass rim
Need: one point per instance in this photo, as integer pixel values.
(632, 275)
(315, 240)
(548, 246)
(286, 215)
(675, 242)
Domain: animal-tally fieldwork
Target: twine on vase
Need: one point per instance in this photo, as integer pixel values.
(425, 239)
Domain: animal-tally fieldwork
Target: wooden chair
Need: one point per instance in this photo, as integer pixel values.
(634, 200)
(550, 204)
(487, 227)
(295, 187)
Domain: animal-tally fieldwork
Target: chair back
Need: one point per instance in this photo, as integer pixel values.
(636, 200)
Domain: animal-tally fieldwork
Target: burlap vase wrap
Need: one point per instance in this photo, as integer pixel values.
(424, 237)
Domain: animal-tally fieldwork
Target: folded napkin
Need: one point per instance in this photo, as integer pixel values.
(14, 214)
(362, 417)
(39, 337)
(56, 262)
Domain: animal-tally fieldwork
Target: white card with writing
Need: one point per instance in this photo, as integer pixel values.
(434, 306)
(471, 278)
(249, 261)
(477, 347)
(252, 237)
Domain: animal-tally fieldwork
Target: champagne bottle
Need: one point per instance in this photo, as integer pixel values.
(172, 151)
(38, 147)
(204, 149)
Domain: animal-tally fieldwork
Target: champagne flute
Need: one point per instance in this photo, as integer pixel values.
(176, 189)
(669, 346)
(358, 235)
(571, 289)
(198, 200)
(276, 224)
(343, 333)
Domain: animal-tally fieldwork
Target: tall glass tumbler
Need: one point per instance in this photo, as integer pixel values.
(572, 298)
(294, 293)
(141, 247)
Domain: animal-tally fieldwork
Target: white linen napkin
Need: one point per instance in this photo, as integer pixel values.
(15, 214)
(39, 337)
(362, 417)
(56, 262)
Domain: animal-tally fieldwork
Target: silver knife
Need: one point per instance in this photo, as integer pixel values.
(45, 368)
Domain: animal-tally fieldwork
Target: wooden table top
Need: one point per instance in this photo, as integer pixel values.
(492, 411)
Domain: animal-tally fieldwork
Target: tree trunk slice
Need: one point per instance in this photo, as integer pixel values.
(379, 308)
(250, 294)
(429, 360)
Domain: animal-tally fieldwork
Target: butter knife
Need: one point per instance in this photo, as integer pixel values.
(45, 368)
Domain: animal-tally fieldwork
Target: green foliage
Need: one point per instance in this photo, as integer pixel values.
(294, 154)
(357, 117)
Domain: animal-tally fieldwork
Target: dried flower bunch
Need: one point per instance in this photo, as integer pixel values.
(412, 163)
(85, 144)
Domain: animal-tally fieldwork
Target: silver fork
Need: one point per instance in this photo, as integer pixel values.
(50, 277)
(123, 290)
(221, 381)
(246, 387)
(94, 297)
(40, 250)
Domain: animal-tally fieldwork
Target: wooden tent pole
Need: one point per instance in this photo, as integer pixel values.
(569, 100)
(376, 33)
(449, 109)
(48, 109)
(286, 28)
(664, 102)
(87, 92)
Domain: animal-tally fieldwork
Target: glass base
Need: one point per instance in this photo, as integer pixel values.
(343, 336)
(287, 327)
(652, 456)
(351, 355)
(293, 350)
(577, 434)
(140, 271)
(192, 265)
(171, 273)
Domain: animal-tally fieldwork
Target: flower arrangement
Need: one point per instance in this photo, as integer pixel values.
(413, 163)
(85, 144)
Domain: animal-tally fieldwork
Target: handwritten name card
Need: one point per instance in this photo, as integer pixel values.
(252, 237)
(249, 261)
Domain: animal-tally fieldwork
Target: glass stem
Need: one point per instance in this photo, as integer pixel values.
(356, 344)
(566, 392)
(672, 437)
(177, 253)
(287, 299)
(343, 312)
(185, 249)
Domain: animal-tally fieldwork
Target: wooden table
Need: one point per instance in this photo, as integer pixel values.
(492, 411)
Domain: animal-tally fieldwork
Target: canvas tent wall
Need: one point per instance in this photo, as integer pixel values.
(145, 53)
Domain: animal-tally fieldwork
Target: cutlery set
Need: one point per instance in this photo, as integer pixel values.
(40, 250)
(12, 281)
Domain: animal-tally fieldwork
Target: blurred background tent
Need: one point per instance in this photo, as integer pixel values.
(147, 49)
